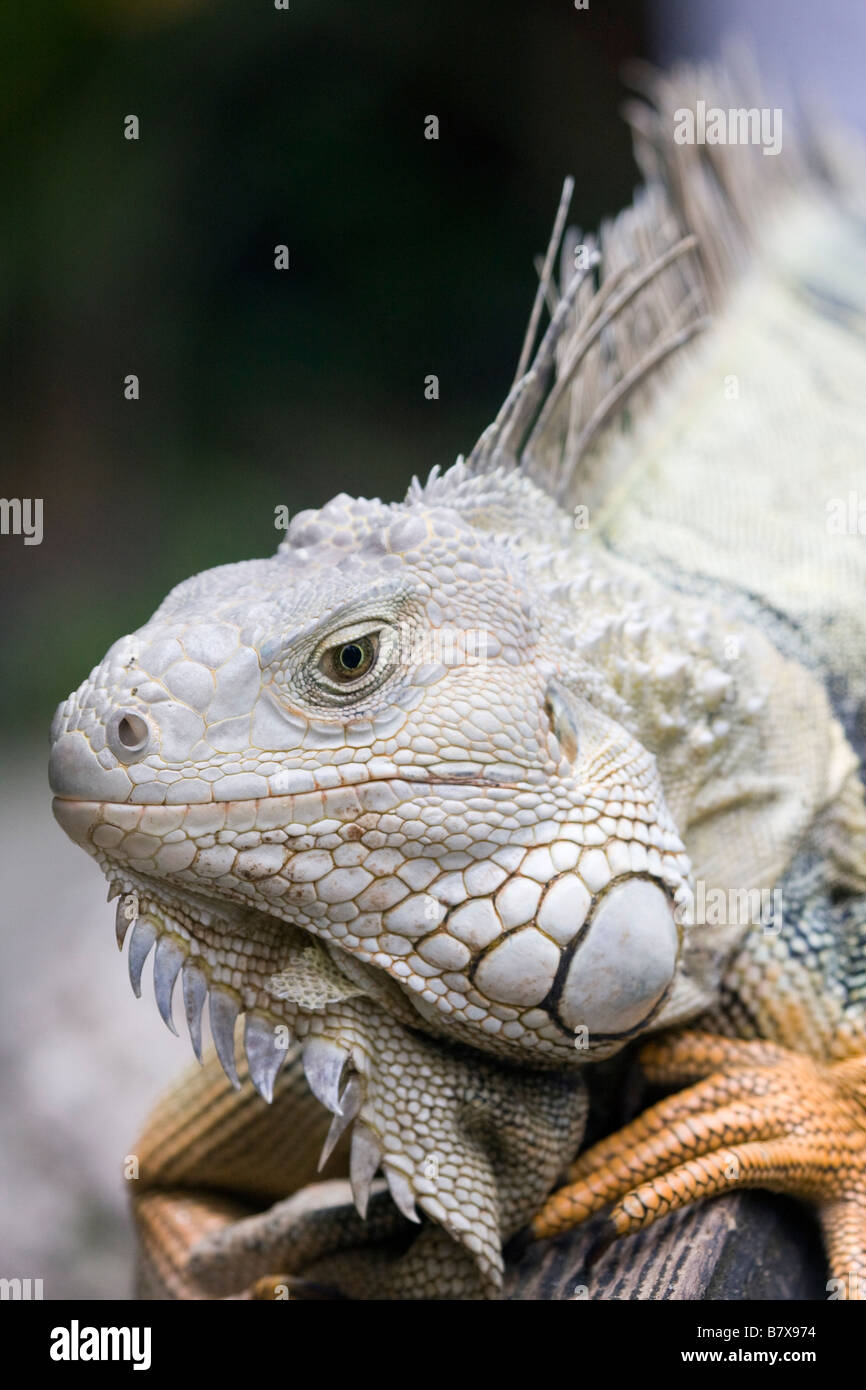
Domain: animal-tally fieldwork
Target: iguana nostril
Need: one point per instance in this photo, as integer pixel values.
(128, 735)
(132, 732)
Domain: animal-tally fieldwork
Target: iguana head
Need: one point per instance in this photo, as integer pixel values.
(384, 738)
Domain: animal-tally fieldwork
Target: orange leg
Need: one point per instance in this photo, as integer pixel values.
(758, 1116)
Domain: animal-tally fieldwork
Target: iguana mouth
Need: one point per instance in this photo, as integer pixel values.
(558, 947)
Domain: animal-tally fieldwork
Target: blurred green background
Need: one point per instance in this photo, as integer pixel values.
(259, 387)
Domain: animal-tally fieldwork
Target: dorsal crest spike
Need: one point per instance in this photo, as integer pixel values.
(634, 302)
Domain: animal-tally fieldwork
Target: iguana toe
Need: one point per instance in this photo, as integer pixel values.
(761, 1117)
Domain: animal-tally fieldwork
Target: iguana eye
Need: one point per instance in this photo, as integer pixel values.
(349, 661)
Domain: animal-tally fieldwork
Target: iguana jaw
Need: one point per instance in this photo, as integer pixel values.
(361, 1059)
(605, 920)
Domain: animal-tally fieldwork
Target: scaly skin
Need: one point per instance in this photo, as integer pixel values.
(426, 798)
(759, 1117)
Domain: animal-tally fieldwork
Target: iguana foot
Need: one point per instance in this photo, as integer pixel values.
(759, 1116)
(326, 1250)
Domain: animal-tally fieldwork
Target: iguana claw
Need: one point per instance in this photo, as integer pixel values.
(760, 1116)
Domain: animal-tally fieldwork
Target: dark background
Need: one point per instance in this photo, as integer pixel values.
(261, 387)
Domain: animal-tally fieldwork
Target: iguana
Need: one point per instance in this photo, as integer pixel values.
(457, 796)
